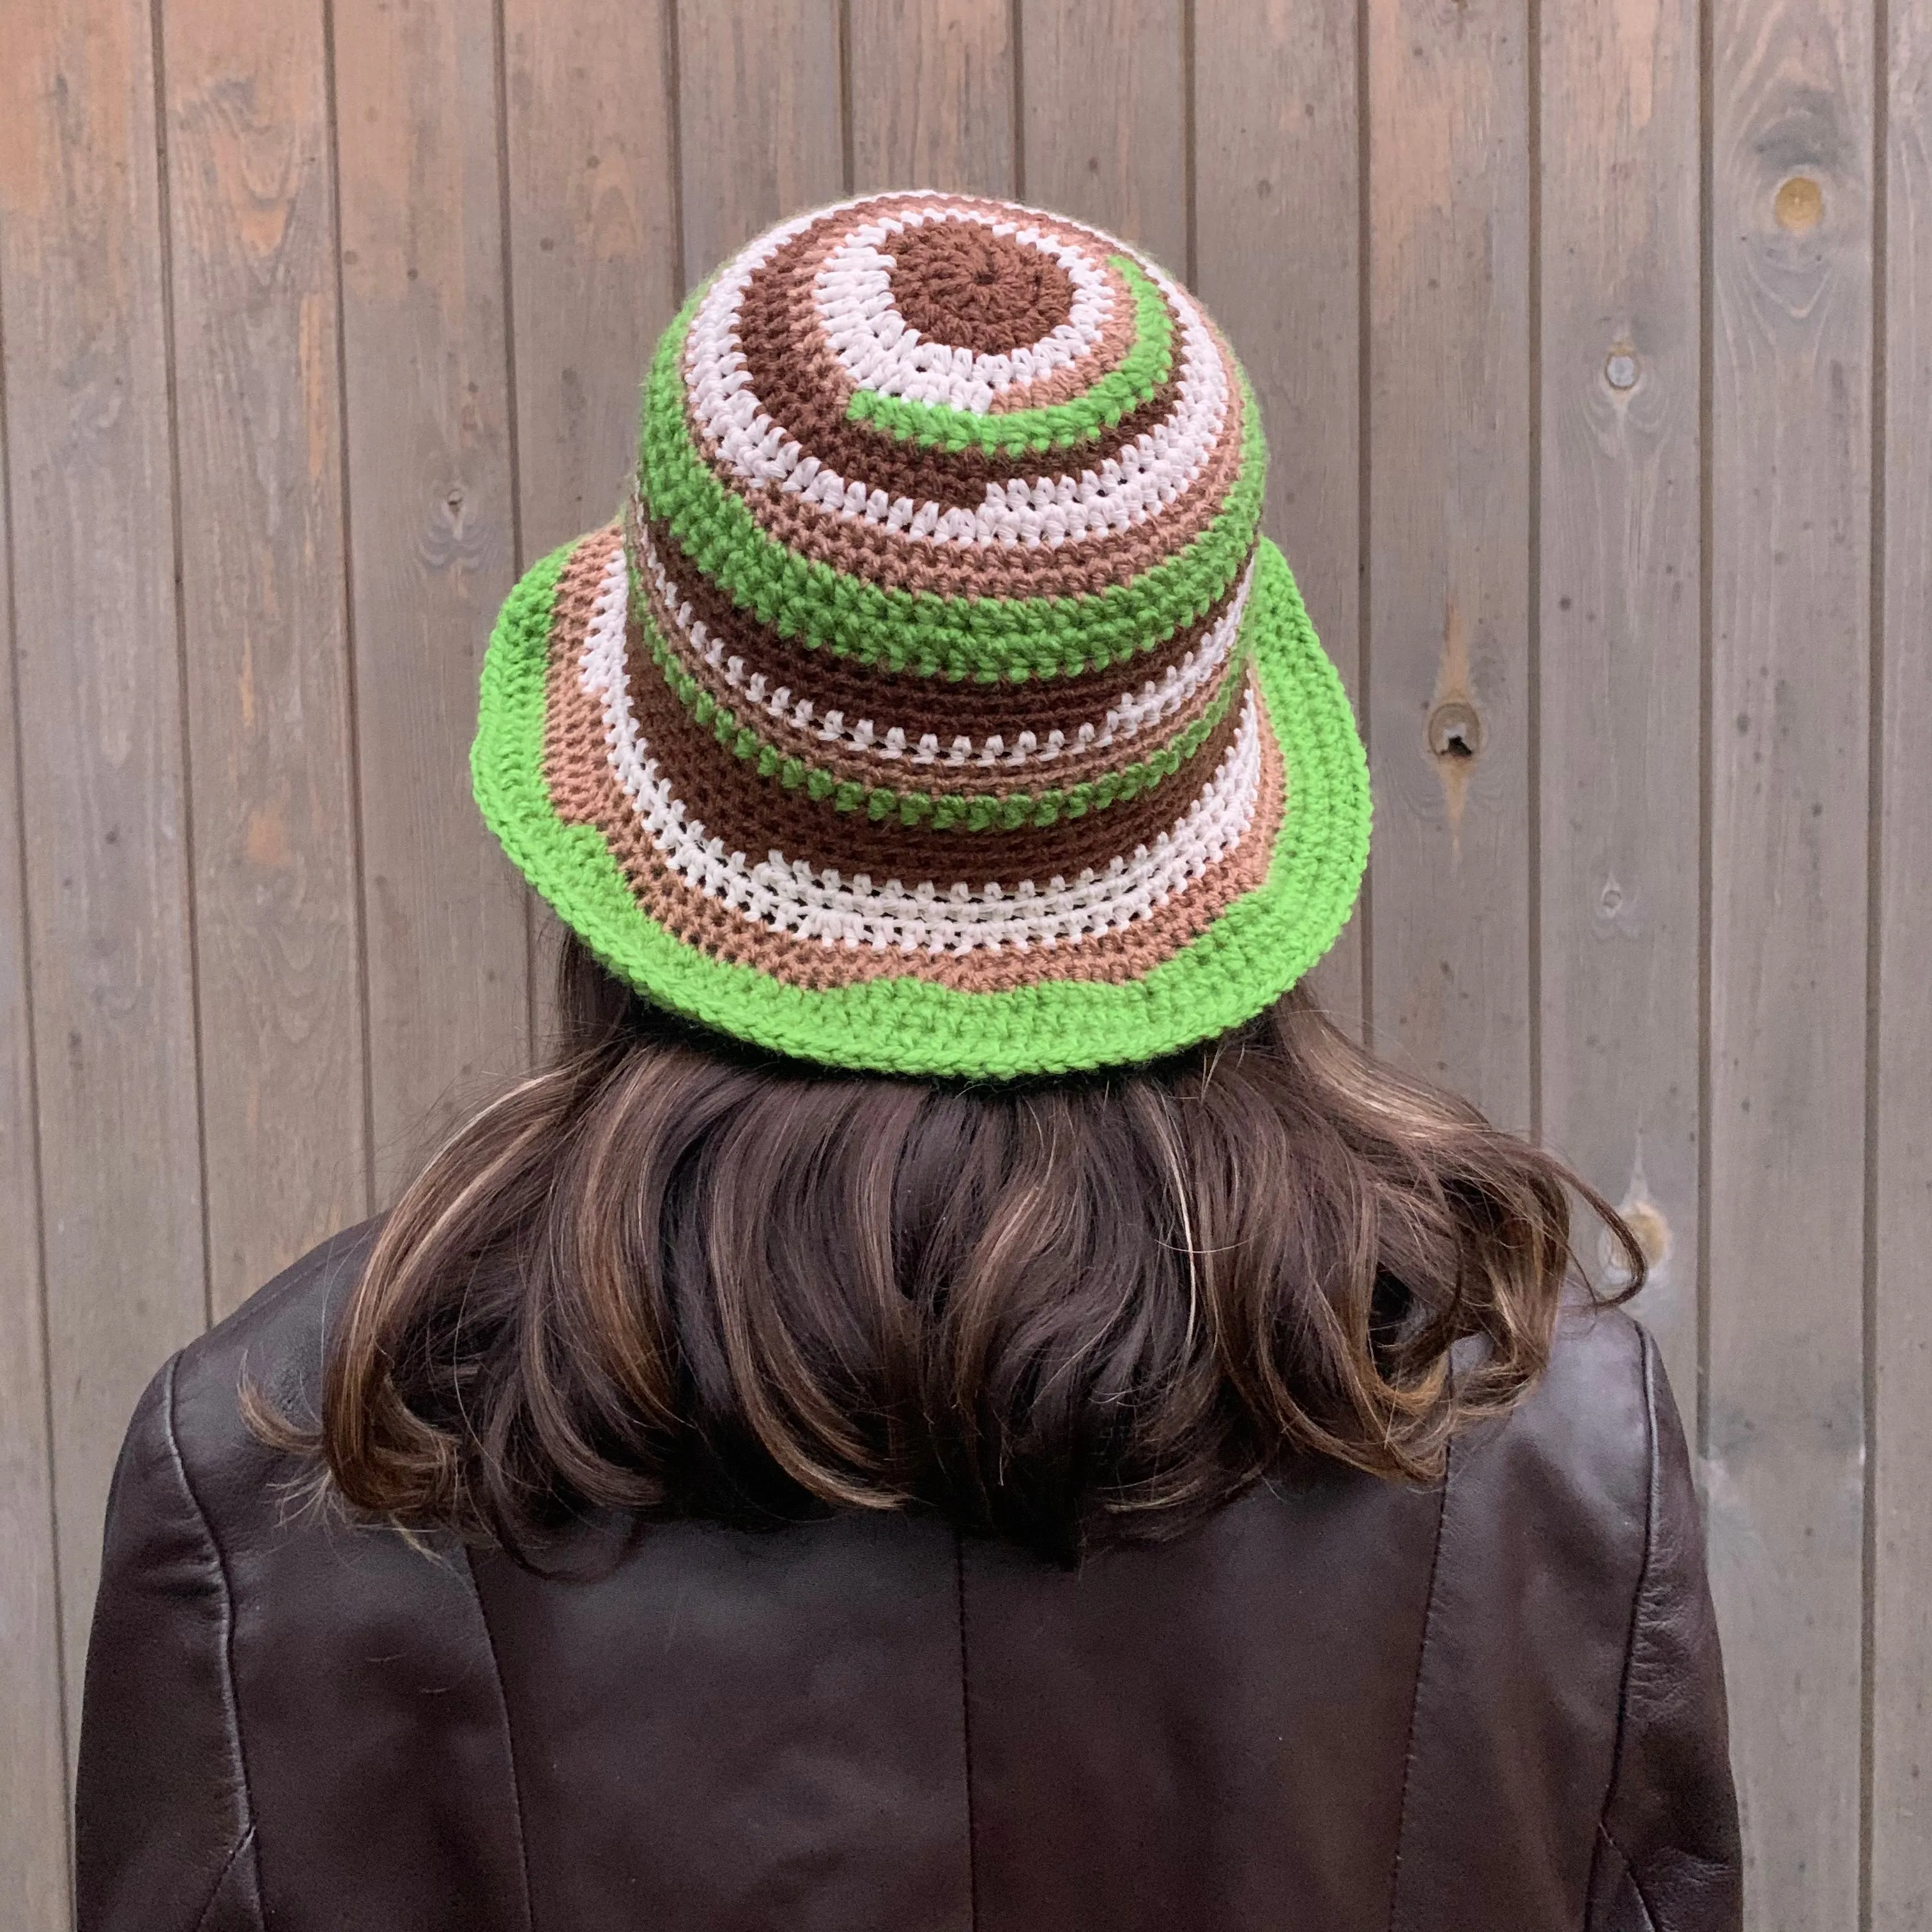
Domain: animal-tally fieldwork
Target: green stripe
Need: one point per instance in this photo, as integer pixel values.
(1259, 946)
(923, 631)
(1137, 379)
(973, 812)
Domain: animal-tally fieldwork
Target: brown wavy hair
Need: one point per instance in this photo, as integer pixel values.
(667, 1275)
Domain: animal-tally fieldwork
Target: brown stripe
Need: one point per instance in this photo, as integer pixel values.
(803, 386)
(948, 708)
(962, 284)
(591, 795)
(757, 816)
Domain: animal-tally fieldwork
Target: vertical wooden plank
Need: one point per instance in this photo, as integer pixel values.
(593, 247)
(433, 548)
(1619, 624)
(932, 95)
(1104, 118)
(1277, 202)
(592, 176)
(1448, 514)
(33, 1775)
(259, 413)
(759, 116)
(1901, 1667)
(81, 280)
(1790, 592)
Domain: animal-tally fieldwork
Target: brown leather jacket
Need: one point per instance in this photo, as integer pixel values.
(1344, 1705)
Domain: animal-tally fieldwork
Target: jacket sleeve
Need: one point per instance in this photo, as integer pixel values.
(164, 1834)
(1669, 1858)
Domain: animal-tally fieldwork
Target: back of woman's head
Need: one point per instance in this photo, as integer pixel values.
(671, 1276)
(935, 709)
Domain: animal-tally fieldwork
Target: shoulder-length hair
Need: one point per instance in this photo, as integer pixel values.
(667, 1275)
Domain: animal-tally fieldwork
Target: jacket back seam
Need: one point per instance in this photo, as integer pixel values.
(1415, 1695)
(966, 1739)
(509, 1744)
(250, 1839)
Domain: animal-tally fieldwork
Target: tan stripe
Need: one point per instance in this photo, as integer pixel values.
(577, 762)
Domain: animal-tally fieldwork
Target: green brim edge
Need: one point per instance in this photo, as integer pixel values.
(1261, 943)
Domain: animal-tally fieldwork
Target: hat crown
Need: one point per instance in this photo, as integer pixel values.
(921, 682)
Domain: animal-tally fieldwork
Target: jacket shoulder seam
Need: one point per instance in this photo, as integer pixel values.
(230, 1704)
(243, 1844)
(1647, 1371)
(1415, 1695)
(1636, 1884)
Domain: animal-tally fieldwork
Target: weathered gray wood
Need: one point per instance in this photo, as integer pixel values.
(259, 410)
(759, 118)
(1448, 615)
(33, 1780)
(1104, 120)
(99, 923)
(1901, 1663)
(1276, 260)
(1790, 592)
(81, 282)
(432, 549)
(594, 276)
(1619, 626)
(593, 247)
(932, 95)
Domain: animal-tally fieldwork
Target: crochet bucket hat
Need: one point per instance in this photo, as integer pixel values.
(934, 706)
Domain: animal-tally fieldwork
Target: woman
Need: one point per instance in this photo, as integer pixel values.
(956, 1398)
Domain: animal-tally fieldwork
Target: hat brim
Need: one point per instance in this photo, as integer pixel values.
(1259, 945)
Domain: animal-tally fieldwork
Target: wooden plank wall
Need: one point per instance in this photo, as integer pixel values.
(1596, 343)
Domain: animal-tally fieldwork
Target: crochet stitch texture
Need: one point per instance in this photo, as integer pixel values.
(935, 706)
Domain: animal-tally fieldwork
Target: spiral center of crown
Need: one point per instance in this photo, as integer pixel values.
(958, 283)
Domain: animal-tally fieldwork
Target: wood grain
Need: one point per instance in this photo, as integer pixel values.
(1104, 121)
(343, 550)
(33, 1773)
(592, 175)
(932, 95)
(759, 118)
(433, 550)
(1619, 626)
(1448, 350)
(593, 247)
(1277, 261)
(103, 791)
(1790, 592)
(1901, 1664)
(251, 224)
